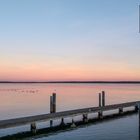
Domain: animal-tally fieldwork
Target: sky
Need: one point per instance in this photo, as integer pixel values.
(47, 40)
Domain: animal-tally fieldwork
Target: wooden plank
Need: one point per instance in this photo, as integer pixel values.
(45, 117)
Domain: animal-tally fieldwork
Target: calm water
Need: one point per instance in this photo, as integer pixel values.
(18, 100)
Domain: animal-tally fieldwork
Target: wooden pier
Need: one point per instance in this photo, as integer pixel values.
(58, 115)
(32, 120)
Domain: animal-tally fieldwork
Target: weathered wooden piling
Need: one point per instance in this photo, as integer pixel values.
(52, 106)
(54, 102)
(85, 118)
(33, 128)
(73, 125)
(62, 122)
(136, 107)
(100, 102)
(51, 110)
(51, 123)
(120, 110)
(100, 114)
(103, 98)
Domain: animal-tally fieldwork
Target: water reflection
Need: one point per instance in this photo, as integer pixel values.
(18, 100)
(31, 99)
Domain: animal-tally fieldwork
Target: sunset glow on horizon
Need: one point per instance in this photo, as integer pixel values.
(50, 40)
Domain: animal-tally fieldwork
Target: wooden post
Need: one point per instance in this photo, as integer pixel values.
(51, 104)
(54, 102)
(100, 115)
(85, 118)
(100, 103)
(33, 128)
(51, 123)
(73, 124)
(103, 98)
(62, 122)
(120, 110)
(136, 108)
(51, 110)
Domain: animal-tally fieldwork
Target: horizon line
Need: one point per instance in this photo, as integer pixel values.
(76, 81)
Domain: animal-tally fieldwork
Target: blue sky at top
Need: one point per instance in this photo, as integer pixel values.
(70, 34)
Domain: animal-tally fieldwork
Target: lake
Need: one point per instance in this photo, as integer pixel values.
(19, 100)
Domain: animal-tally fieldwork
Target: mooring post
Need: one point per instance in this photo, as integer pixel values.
(51, 123)
(62, 122)
(51, 109)
(100, 104)
(73, 124)
(85, 118)
(33, 128)
(54, 102)
(120, 110)
(52, 106)
(136, 108)
(103, 98)
(100, 115)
